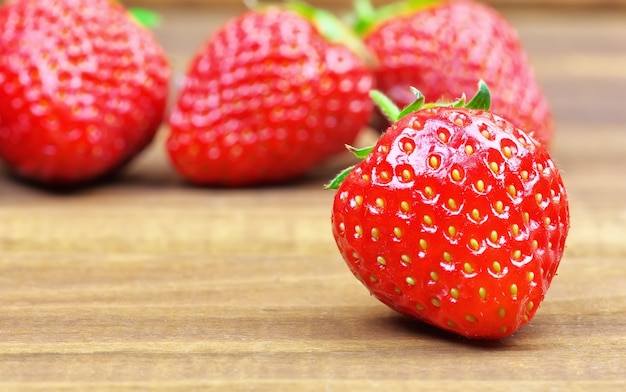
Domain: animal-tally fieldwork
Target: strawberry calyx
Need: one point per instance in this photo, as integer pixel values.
(333, 29)
(145, 17)
(367, 17)
(480, 101)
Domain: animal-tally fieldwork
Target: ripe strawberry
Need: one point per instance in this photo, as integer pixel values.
(456, 218)
(83, 89)
(270, 94)
(443, 47)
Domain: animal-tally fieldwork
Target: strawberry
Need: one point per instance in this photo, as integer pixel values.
(455, 217)
(270, 94)
(443, 47)
(83, 89)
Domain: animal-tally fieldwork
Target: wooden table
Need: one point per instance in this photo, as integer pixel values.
(146, 283)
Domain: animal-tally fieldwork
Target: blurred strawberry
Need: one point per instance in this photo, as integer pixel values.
(443, 47)
(270, 94)
(83, 89)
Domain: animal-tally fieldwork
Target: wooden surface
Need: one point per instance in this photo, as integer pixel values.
(146, 284)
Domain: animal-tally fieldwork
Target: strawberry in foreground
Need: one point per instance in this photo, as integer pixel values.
(83, 89)
(270, 94)
(455, 217)
(442, 47)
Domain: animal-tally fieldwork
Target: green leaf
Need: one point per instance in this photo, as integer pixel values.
(386, 105)
(334, 184)
(145, 17)
(482, 99)
(360, 153)
(415, 105)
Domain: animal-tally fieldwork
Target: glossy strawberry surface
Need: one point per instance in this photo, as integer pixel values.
(83, 88)
(444, 47)
(265, 99)
(456, 218)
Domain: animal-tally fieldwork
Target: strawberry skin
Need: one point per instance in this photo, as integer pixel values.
(456, 218)
(83, 89)
(265, 99)
(444, 47)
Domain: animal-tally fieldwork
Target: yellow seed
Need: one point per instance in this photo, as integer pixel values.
(501, 312)
(410, 280)
(494, 167)
(381, 260)
(454, 292)
(405, 206)
(408, 147)
(419, 306)
(428, 220)
(547, 221)
(375, 233)
(513, 289)
(470, 318)
(456, 175)
(358, 199)
(467, 267)
(451, 323)
(517, 254)
(511, 190)
(515, 229)
(447, 257)
(503, 329)
(406, 175)
(524, 175)
(469, 150)
(474, 244)
(497, 268)
(342, 227)
(380, 202)
(358, 230)
(435, 302)
(475, 214)
(397, 232)
(434, 162)
(385, 176)
(434, 276)
(482, 293)
(499, 206)
(452, 231)
(507, 152)
(485, 134)
(365, 177)
(493, 236)
(397, 290)
(530, 276)
(526, 217)
(373, 278)
(443, 137)
(530, 306)
(538, 198)
(480, 186)
(429, 192)
(423, 244)
(535, 244)
(452, 204)
(406, 259)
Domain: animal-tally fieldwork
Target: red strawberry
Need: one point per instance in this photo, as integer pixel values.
(83, 89)
(270, 94)
(443, 47)
(456, 218)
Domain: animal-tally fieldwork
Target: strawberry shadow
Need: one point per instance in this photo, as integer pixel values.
(424, 330)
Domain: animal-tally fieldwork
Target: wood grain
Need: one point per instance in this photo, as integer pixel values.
(145, 283)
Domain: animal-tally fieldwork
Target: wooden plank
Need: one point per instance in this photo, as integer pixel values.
(145, 283)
